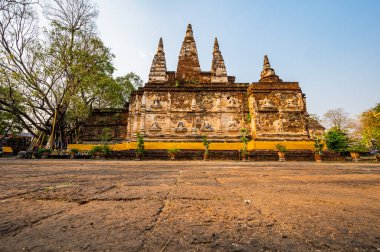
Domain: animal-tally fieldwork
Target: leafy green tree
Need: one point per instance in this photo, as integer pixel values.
(53, 80)
(129, 83)
(336, 140)
(8, 125)
(370, 125)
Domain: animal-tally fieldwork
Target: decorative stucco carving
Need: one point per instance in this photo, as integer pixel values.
(291, 103)
(155, 126)
(266, 104)
(206, 126)
(181, 127)
(232, 125)
(156, 102)
(232, 102)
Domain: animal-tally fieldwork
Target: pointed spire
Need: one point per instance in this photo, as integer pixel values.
(268, 74)
(158, 69)
(216, 45)
(218, 68)
(160, 46)
(188, 67)
(266, 62)
(189, 31)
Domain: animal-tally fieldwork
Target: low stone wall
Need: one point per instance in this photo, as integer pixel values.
(290, 155)
(182, 155)
(259, 155)
(225, 155)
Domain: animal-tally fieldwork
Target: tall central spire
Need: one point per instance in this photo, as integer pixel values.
(188, 68)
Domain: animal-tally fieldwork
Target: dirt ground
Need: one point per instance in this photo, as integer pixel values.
(52, 205)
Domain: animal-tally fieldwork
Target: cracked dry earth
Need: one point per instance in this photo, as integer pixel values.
(52, 205)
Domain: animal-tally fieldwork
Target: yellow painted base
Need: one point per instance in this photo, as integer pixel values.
(7, 149)
(252, 145)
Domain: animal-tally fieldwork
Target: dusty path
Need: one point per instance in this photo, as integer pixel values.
(176, 206)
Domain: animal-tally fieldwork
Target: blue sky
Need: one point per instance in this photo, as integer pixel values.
(331, 47)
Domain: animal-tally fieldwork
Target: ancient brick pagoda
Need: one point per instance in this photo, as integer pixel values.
(189, 103)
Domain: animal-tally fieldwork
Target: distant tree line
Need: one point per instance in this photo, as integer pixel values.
(52, 78)
(345, 133)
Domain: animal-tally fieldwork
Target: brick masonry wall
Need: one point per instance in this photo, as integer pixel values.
(226, 155)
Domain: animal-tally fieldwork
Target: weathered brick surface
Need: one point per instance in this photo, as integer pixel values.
(190, 103)
(115, 120)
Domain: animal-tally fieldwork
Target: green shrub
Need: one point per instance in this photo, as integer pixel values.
(106, 135)
(249, 118)
(206, 143)
(336, 140)
(244, 139)
(104, 149)
(280, 148)
(74, 151)
(173, 150)
(40, 151)
(357, 145)
(318, 146)
(95, 149)
(140, 144)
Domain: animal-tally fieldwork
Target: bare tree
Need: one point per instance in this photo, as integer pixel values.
(338, 118)
(18, 33)
(53, 82)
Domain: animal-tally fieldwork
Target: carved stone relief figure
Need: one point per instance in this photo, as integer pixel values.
(156, 102)
(232, 102)
(232, 125)
(266, 104)
(207, 103)
(206, 126)
(296, 124)
(266, 122)
(181, 127)
(290, 103)
(155, 126)
(179, 101)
